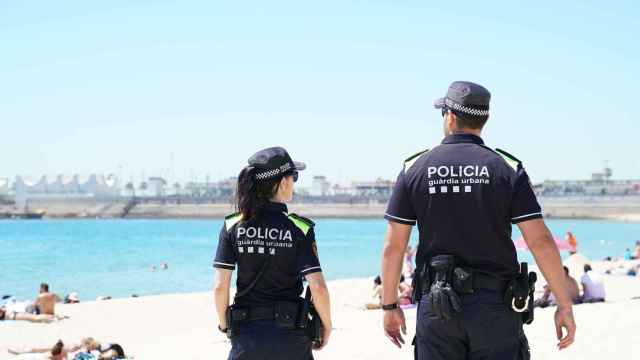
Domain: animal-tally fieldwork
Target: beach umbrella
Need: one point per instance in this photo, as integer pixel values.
(562, 244)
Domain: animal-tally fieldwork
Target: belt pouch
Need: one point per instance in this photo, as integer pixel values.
(235, 316)
(463, 281)
(285, 314)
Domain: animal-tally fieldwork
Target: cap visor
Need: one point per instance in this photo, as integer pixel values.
(299, 165)
(438, 104)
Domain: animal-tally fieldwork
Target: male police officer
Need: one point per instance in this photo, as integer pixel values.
(464, 196)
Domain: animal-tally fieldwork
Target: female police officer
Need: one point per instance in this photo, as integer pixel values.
(273, 250)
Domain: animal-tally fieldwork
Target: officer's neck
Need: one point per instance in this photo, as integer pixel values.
(278, 199)
(476, 132)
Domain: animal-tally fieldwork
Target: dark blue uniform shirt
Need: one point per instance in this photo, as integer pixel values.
(287, 238)
(464, 196)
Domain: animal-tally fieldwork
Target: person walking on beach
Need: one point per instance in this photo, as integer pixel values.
(274, 250)
(464, 196)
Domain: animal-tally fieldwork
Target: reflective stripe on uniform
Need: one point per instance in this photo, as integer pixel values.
(527, 215)
(224, 265)
(409, 221)
(311, 270)
(300, 224)
(231, 220)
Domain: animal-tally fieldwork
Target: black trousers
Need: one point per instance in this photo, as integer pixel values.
(262, 340)
(486, 329)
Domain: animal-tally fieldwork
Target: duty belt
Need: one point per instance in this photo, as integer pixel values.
(254, 313)
(484, 281)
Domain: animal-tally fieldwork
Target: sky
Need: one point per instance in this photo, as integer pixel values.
(190, 89)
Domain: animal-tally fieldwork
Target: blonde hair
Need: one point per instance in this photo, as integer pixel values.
(89, 341)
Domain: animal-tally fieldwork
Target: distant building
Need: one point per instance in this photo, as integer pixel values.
(379, 189)
(97, 186)
(4, 186)
(600, 184)
(320, 186)
(156, 186)
(339, 190)
(221, 189)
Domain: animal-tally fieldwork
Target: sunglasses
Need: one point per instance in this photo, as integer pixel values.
(295, 176)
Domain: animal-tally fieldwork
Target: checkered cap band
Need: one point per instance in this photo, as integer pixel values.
(267, 174)
(467, 110)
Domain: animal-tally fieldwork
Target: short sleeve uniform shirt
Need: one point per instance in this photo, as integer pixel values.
(287, 239)
(464, 196)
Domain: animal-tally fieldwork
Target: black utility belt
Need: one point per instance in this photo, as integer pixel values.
(289, 315)
(282, 310)
(443, 281)
(462, 279)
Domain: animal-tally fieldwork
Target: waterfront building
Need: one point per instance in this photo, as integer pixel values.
(599, 184)
(96, 186)
(320, 186)
(379, 188)
(4, 186)
(210, 190)
(156, 186)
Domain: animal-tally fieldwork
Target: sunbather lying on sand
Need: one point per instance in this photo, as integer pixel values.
(22, 316)
(57, 352)
(108, 351)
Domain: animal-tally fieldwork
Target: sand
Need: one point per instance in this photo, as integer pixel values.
(184, 327)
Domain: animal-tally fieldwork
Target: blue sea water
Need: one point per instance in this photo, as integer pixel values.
(114, 257)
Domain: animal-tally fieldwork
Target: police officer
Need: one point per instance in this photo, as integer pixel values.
(464, 196)
(273, 250)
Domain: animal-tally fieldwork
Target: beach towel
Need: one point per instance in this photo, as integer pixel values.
(84, 356)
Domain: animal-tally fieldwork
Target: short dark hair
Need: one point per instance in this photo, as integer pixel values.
(587, 267)
(44, 287)
(566, 270)
(469, 121)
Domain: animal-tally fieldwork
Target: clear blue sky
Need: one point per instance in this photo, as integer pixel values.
(195, 87)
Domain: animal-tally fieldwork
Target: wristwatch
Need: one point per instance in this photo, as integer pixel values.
(390, 306)
(224, 331)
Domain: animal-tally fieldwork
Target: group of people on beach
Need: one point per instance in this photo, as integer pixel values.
(593, 289)
(84, 350)
(404, 286)
(43, 310)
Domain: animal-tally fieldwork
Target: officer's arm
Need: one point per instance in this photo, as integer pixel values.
(221, 294)
(544, 249)
(395, 244)
(321, 299)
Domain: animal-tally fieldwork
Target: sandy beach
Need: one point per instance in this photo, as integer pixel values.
(183, 326)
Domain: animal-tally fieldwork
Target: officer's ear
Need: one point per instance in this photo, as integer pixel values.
(451, 120)
(284, 182)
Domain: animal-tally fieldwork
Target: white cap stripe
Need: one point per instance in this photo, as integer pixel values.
(471, 111)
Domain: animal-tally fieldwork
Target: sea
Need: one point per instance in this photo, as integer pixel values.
(115, 257)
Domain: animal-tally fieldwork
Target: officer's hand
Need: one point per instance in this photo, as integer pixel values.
(326, 334)
(564, 319)
(394, 323)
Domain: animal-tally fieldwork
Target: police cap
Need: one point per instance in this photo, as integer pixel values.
(273, 162)
(466, 98)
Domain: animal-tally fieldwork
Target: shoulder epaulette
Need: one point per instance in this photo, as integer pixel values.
(510, 159)
(231, 220)
(301, 223)
(408, 163)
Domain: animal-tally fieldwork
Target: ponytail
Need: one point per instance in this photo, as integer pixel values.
(57, 348)
(252, 195)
